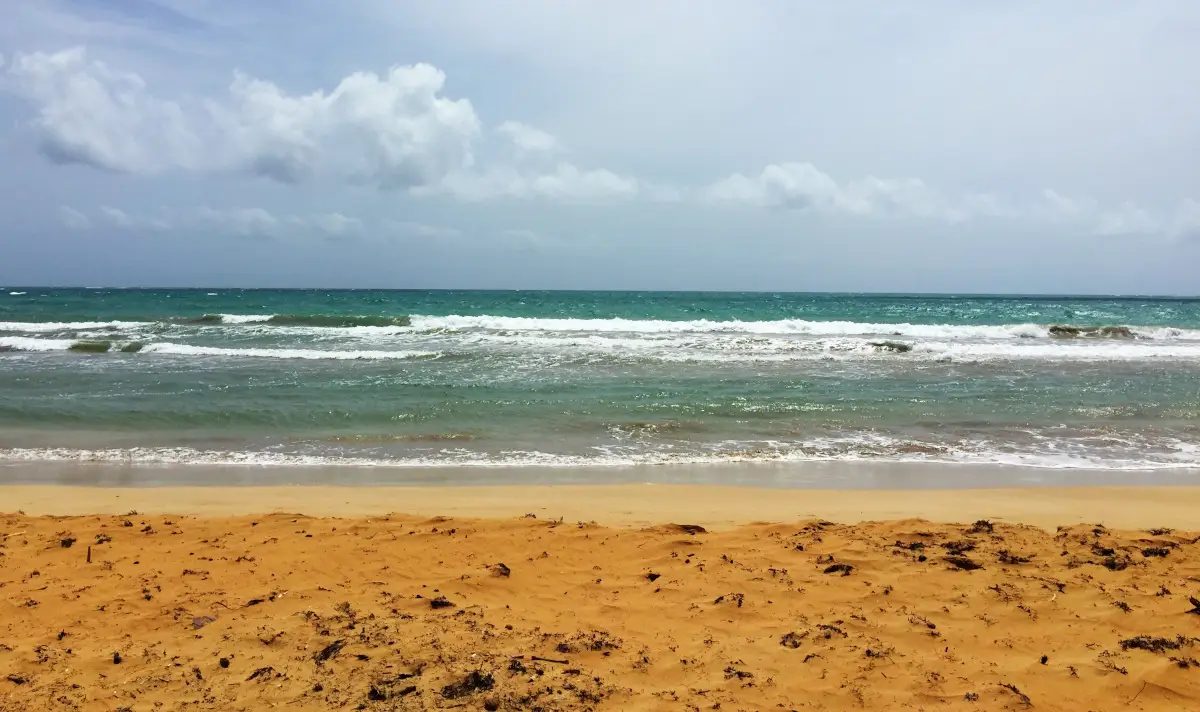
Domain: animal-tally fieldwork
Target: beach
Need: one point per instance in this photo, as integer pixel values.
(389, 500)
(641, 597)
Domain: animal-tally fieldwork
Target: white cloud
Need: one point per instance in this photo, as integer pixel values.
(564, 182)
(94, 115)
(73, 219)
(413, 229)
(391, 131)
(803, 186)
(243, 222)
(1126, 220)
(116, 217)
(120, 218)
(237, 222)
(395, 131)
(332, 225)
(528, 138)
(399, 131)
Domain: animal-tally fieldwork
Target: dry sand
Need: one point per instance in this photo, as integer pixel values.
(198, 603)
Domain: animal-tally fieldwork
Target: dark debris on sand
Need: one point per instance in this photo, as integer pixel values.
(962, 563)
(1155, 644)
(474, 682)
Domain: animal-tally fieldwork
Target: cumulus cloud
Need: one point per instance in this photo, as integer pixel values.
(390, 131)
(394, 131)
(97, 116)
(399, 131)
(528, 138)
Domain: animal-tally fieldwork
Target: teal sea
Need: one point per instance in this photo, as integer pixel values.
(398, 379)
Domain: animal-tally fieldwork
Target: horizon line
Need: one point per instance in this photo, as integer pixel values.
(965, 294)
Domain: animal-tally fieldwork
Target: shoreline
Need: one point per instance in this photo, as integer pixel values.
(634, 505)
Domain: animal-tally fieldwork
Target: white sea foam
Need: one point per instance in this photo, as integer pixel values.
(541, 349)
(305, 354)
(42, 327)
(16, 294)
(26, 343)
(244, 318)
(776, 327)
(643, 328)
(711, 347)
(860, 448)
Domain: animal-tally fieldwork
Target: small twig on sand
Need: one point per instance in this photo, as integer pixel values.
(537, 659)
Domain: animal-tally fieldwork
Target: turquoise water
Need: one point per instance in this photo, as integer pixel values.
(394, 378)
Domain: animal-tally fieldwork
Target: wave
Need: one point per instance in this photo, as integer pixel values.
(43, 327)
(862, 447)
(90, 347)
(715, 348)
(396, 325)
(534, 352)
(301, 354)
(16, 294)
(798, 327)
(314, 320)
(25, 344)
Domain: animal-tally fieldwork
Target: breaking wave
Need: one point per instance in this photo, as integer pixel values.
(797, 327)
(24, 344)
(649, 327)
(315, 320)
(851, 448)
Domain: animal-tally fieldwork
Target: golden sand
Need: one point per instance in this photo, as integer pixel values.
(213, 608)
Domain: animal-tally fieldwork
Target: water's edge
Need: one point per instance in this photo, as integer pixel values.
(811, 476)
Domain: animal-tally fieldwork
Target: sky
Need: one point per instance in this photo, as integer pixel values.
(999, 146)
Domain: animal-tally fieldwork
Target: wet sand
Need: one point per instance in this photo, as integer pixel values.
(625, 597)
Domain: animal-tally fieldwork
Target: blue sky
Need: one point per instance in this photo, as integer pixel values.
(924, 145)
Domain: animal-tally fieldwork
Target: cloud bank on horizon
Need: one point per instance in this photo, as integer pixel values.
(491, 144)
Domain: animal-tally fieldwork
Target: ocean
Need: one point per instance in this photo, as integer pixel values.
(403, 379)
